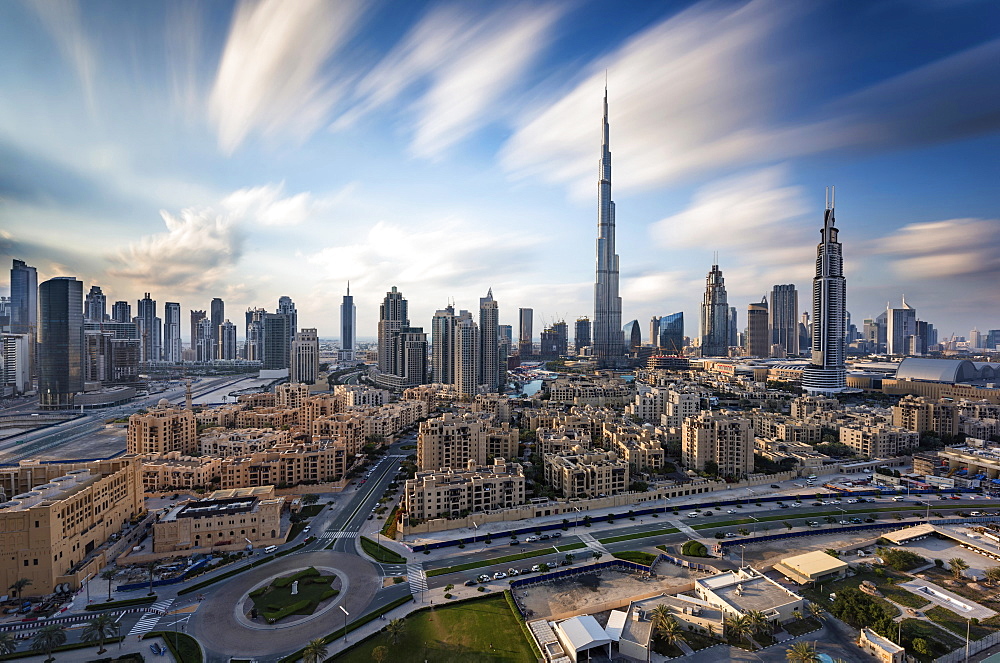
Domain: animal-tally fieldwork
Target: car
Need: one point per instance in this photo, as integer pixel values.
(565, 562)
(484, 578)
(774, 485)
(307, 528)
(543, 537)
(813, 523)
(470, 583)
(856, 521)
(692, 515)
(515, 542)
(782, 506)
(523, 571)
(556, 535)
(536, 568)
(976, 513)
(852, 501)
(370, 516)
(817, 503)
(730, 511)
(512, 572)
(531, 539)
(499, 575)
(730, 535)
(955, 497)
(869, 520)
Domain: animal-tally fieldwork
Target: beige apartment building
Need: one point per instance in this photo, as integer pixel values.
(58, 518)
(581, 473)
(455, 492)
(724, 438)
(495, 404)
(176, 471)
(636, 446)
(452, 440)
(585, 390)
(919, 414)
(561, 438)
(161, 430)
(880, 440)
(780, 427)
(221, 415)
(226, 518)
(291, 395)
(260, 399)
(222, 442)
(805, 406)
(267, 417)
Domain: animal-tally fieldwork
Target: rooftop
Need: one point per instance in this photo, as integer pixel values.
(815, 563)
(746, 590)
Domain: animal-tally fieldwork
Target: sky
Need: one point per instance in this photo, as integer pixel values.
(249, 150)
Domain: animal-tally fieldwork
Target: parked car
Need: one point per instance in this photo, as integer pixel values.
(514, 542)
(774, 485)
(556, 535)
(470, 583)
(730, 511)
(531, 539)
(483, 578)
(536, 568)
(499, 575)
(730, 535)
(869, 520)
(543, 537)
(523, 571)
(692, 515)
(512, 572)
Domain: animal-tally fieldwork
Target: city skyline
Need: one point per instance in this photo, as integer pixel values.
(155, 169)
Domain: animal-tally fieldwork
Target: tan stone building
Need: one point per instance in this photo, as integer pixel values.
(780, 427)
(880, 440)
(581, 473)
(636, 446)
(221, 415)
(804, 406)
(221, 442)
(720, 437)
(58, 518)
(591, 390)
(175, 471)
(452, 440)
(449, 493)
(226, 518)
(920, 414)
(561, 438)
(290, 395)
(287, 464)
(267, 417)
(161, 430)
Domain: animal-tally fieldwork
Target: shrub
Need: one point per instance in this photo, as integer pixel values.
(290, 609)
(328, 594)
(447, 596)
(694, 549)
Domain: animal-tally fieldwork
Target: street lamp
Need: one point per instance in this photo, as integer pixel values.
(346, 615)
(968, 626)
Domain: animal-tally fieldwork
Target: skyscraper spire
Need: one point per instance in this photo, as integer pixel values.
(826, 372)
(609, 345)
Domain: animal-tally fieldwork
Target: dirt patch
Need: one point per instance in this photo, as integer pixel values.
(389, 582)
(599, 591)
(769, 553)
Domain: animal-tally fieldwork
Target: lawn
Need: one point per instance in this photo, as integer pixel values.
(801, 626)
(482, 630)
(955, 623)
(639, 535)
(637, 556)
(488, 562)
(902, 597)
(275, 601)
(380, 553)
(311, 510)
(941, 641)
(663, 648)
(181, 645)
(822, 593)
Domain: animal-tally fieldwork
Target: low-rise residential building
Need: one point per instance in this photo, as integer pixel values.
(221, 415)
(637, 629)
(163, 428)
(452, 440)
(287, 464)
(590, 390)
(454, 492)
(883, 649)
(267, 417)
(780, 427)
(804, 455)
(736, 593)
(804, 406)
(582, 473)
(224, 518)
(291, 394)
(56, 526)
(723, 438)
(561, 438)
(637, 446)
(919, 414)
(496, 404)
(176, 471)
(223, 442)
(812, 567)
(880, 440)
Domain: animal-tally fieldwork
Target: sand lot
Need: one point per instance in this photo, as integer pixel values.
(769, 553)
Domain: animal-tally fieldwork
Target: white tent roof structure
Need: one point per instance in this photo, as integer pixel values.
(583, 633)
(616, 624)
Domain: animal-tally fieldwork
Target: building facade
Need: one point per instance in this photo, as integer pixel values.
(161, 430)
(715, 336)
(305, 356)
(60, 342)
(826, 372)
(720, 438)
(461, 491)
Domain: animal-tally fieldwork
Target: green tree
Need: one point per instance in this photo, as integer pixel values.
(47, 639)
(797, 615)
(109, 575)
(395, 630)
(738, 628)
(18, 585)
(992, 574)
(658, 615)
(312, 498)
(922, 646)
(669, 630)
(801, 652)
(758, 622)
(957, 566)
(816, 611)
(151, 569)
(711, 468)
(99, 628)
(8, 645)
(380, 654)
(315, 651)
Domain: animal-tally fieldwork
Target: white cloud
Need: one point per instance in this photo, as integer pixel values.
(270, 77)
(469, 62)
(63, 21)
(945, 249)
(265, 206)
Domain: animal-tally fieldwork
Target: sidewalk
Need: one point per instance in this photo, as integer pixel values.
(90, 653)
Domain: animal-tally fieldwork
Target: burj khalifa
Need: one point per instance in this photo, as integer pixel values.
(609, 343)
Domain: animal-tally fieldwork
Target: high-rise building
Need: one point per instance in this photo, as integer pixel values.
(24, 307)
(826, 372)
(524, 325)
(253, 347)
(715, 316)
(805, 331)
(150, 332)
(443, 345)
(609, 344)
(393, 317)
(286, 307)
(506, 349)
(720, 438)
(782, 320)
(5, 314)
(305, 357)
(277, 349)
(667, 333)
(196, 318)
(466, 355)
(733, 328)
(489, 343)
(975, 339)
(217, 313)
(992, 339)
(60, 341)
(227, 340)
(348, 326)
(203, 346)
(632, 332)
(581, 339)
(95, 308)
(758, 337)
(410, 350)
(554, 340)
(121, 311)
(172, 332)
(901, 325)
(16, 377)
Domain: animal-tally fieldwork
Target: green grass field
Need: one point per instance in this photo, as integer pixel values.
(488, 562)
(483, 630)
(380, 553)
(275, 601)
(637, 556)
(639, 535)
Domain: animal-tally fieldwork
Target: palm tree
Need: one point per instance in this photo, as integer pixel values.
(8, 645)
(802, 652)
(315, 651)
(669, 630)
(738, 628)
(109, 575)
(757, 621)
(992, 574)
(659, 615)
(100, 627)
(48, 639)
(797, 614)
(957, 565)
(395, 630)
(816, 610)
(18, 585)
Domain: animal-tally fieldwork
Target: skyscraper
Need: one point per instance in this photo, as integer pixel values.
(121, 311)
(524, 325)
(286, 307)
(901, 323)
(227, 340)
(217, 313)
(202, 342)
(443, 345)
(783, 323)
(24, 306)
(393, 317)
(172, 332)
(489, 343)
(60, 341)
(466, 353)
(826, 371)
(733, 328)
(632, 332)
(715, 316)
(150, 334)
(277, 347)
(95, 309)
(581, 338)
(758, 336)
(348, 326)
(253, 348)
(667, 332)
(305, 357)
(196, 318)
(609, 343)
(555, 340)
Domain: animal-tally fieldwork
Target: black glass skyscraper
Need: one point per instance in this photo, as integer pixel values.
(60, 341)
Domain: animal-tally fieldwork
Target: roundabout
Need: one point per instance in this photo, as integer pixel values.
(225, 629)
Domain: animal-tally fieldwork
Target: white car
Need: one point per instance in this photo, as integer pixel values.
(852, 501)
(692, 515)
(730, 511)
(531, 539)
(499, 575)
(536, 568)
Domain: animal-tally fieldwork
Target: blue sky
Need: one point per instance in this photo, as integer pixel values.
(256, 149)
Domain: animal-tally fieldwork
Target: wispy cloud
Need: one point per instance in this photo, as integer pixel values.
(267, 205)
(468, 62)
(62, 19)
(271, 77)
(943, 249)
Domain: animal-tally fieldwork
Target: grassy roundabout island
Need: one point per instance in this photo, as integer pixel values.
(275, 601)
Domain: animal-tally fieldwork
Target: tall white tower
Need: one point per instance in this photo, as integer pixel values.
(609, 343)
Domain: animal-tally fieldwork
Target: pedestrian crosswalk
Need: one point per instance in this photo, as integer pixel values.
(148, 620)
(338, 535)
(417, 577)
